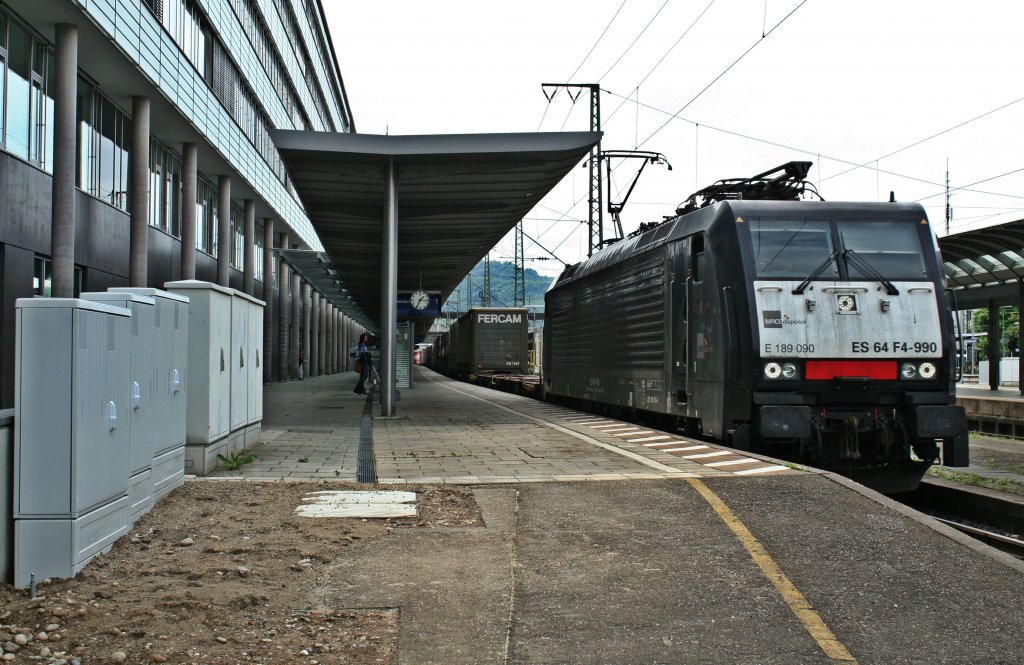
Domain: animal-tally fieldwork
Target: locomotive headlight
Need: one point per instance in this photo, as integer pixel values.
(773, 370)
(789, 371)
(926, 370)
(908, 370)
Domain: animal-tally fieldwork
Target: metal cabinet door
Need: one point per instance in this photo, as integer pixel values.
(101, 404)
(239, 406)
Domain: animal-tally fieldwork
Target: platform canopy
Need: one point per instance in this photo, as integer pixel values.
(457, 196)
(985, 265)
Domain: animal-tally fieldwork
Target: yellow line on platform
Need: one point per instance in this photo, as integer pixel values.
(811, 620)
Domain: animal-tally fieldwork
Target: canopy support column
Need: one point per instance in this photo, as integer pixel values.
(389, 290)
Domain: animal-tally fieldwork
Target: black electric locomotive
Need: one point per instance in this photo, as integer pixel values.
(814, 331)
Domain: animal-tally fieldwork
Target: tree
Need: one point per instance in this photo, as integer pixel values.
(1009, 330)
(502, 287)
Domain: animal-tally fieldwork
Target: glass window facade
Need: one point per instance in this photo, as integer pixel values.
(291, 27)
(186, 24)
(237, 237)
(255, 29)
(164, 189)
(258, 252)
(206, 216)
(104, 131)
(240, 102)
(26, 72)
(42, 278)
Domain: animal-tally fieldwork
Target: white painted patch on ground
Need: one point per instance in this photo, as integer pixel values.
(765, 469)
(358, 504)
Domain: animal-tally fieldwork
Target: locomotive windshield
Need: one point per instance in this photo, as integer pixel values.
(791, 249)
(891, 248)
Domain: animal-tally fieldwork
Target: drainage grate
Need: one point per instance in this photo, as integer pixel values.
(366, 467)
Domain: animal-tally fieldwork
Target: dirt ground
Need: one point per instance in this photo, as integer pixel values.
(221, 573)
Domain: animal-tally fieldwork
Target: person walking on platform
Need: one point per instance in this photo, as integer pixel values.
(364, 363)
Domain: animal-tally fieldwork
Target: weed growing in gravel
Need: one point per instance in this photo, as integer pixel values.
(236, 461)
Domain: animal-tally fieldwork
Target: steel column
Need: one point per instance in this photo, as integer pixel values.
(249, 249)
(296, 329)
(596, 213)
(389, 291)
(314, 333)
(62, 228)
(307, 334)
(189, 191)
(1020, 342)
(339, 330)
(138, 186)
(321, 342)
(268, 297)
(993, 345)
(224, 239)
(283, 281)
(329, 340)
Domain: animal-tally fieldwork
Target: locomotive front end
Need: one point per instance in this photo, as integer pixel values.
(853, 364)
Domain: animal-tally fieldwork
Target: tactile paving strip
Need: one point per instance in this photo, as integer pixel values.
(704, 454)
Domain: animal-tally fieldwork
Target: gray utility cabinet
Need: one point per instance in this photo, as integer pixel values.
(246, 360)
(170, 366)
(71, 452)
(208, 415)
(170, 407)
(141, 417)
(142, 369)
(225, 404)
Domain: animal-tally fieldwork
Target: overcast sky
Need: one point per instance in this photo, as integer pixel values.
(836, 83)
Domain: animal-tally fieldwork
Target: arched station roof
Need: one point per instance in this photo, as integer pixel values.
(458, 195)
(985, 264)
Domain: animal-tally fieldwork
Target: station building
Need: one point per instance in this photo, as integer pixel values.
(135, 135)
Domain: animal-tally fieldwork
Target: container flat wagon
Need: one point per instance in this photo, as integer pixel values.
(489, 340)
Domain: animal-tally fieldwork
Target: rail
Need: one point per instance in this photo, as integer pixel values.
(996, 518)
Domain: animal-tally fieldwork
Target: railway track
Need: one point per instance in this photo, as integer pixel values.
(1008, 544)
(995, 518)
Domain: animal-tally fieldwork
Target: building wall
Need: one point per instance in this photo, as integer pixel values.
(147, 61)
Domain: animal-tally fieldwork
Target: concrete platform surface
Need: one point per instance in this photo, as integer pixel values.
(659, 557)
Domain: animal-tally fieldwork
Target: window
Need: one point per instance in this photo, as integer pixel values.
(891, 248)
(237, 237)
(258, 253)
(103, 134)
(26, 73)
(164, 189)
(791, 249)
(206, 217)
(240, 102)
(186, 24)
(42, 278)
(19, 94)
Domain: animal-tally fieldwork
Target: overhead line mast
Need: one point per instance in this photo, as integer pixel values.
(595, 214)
(518, 271)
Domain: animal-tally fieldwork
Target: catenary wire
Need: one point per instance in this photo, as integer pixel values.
(802, 150)
(662, 59)
(924, 140)
(635, 40)
(708, 86)
(724, 72)
(582, 62)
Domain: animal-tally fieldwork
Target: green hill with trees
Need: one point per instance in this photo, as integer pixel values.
(502, 287)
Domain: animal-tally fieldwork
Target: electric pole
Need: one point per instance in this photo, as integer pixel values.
(518, 273)
(595, 216)
(949, 210)
(485, 295)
